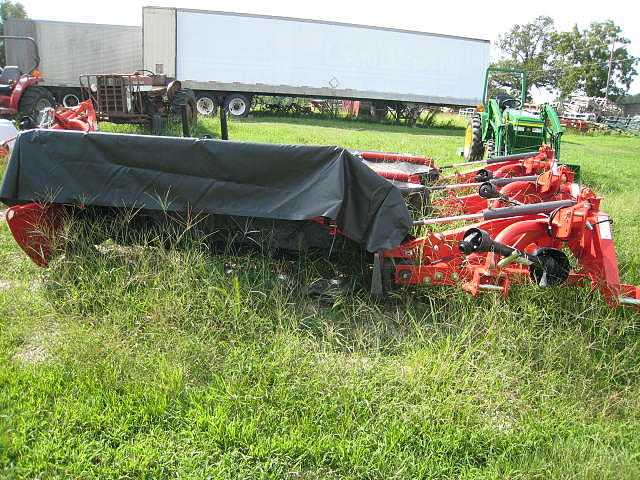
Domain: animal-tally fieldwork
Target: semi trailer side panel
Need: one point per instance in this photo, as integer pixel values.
(159, 40)
(69, 49)
(253, 53)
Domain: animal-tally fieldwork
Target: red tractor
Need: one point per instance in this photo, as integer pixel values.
(19, 92)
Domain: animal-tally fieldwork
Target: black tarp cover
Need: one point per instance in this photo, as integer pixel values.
(286, 182)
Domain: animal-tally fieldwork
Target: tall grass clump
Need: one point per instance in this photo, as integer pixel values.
(171, 273)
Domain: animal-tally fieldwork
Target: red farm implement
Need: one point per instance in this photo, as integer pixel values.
(516, 219)
(81, 117)
(529, 215)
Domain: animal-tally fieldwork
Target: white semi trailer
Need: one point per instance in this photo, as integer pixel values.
(229, 57)
(69, 49)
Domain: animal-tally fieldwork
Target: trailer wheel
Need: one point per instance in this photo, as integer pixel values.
(69, 98)
(237, 105)
(473, 147)
(206, 104)
(33, 101)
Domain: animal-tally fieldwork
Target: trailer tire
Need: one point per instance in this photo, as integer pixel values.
(69, 97)
(237, 105)
(206, 104)
(473, 146)
(33, 101)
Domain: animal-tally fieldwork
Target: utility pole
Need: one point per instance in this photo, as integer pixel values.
(606, 91)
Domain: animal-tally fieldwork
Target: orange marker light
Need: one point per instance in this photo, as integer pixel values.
(480, 108)
(35, 73)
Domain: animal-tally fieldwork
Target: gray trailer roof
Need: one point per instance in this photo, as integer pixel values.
(325, 22)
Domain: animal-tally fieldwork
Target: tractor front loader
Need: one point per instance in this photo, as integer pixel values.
(502, 127)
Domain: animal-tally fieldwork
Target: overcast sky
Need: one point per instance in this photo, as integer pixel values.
(480, 19)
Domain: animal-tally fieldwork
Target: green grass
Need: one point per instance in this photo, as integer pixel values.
(152, 363)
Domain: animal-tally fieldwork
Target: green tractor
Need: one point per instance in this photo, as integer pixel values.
(501, 127)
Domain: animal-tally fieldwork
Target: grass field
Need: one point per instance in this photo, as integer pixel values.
(154, 363)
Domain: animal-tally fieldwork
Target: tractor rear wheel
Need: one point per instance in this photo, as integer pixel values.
(33, 101)
(473, 146)
(184, 104)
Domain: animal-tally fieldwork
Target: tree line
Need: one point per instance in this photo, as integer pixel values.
(594, 59)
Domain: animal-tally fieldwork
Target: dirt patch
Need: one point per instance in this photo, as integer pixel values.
(500, 420)
(32, 285)
(37, 347)
(30, 354)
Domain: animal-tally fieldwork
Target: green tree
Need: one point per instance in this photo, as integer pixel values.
(527, 47)
(8, 9)
(582, 60)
